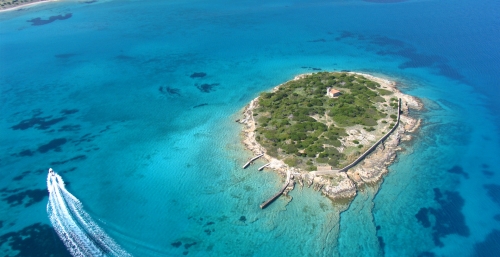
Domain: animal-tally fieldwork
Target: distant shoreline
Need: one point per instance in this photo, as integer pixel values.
(23, 5)
(368, 171)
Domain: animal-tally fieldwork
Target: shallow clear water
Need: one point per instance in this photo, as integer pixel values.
(106, 97)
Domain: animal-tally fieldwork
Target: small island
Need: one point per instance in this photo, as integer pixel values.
(335, 131)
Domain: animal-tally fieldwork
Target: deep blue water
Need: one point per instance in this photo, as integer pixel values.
(133, 103)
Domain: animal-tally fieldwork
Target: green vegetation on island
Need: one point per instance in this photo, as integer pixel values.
(304, 126)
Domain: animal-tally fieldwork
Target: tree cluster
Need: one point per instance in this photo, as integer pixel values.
(292, 122)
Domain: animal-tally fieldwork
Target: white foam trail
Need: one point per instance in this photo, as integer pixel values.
(81, 235)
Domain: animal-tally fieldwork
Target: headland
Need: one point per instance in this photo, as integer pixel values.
(334, 131)
(12, 5)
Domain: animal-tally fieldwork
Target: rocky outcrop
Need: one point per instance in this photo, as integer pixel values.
(343, 189)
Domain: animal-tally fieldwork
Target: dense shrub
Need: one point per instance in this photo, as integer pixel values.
(287, 122)
(291, 161)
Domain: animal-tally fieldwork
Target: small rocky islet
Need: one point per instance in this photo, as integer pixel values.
(323, 127)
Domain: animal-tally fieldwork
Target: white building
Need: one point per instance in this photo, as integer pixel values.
(332, 92)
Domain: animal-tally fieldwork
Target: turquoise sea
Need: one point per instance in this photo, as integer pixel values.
(133, 103)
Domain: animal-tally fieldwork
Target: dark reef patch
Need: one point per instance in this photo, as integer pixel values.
(200, 105)
(198, 75)
(386, 41)
(106, 129)
(93, 149)
(450, 72)
(426, 254)
(345, 35)
(39, 21)
(448, 217)
(170, 91)
(176, 244)
(5, 190)
(423, 217)
(317, 40)
(490, 247)
(69, 111)
(486, 170)
(52, 145)
(40, 171)
(418, 60)
(488, 173)
(209, 223)
(24, 153)
(453, 133)
(85, 138)
(187, 246)
(89, 2)
(76, 158)
(206, 88)
(21, 176)
(37, 122)
(67, 128)
(386, 46)
(34, 196)
(493, 192)
(68, 170)
(381, 244)
(458, 170)
(34, 240)
(123, 57)
(243, 218)
(415, 59)
(311, 68)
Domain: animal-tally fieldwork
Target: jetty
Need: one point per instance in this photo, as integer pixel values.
(251, 160)
(263, 166)
(275, 196)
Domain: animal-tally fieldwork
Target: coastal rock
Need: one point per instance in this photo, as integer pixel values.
(374, 167)
(309, 180)
(357, 134)
(340, 187)
(300, 179)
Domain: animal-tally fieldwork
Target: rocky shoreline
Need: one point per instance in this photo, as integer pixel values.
(21, 5)
(341, 186)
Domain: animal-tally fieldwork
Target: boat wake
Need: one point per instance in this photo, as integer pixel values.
(81, 235)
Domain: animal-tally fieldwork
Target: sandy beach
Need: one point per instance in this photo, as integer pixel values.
(24, 5)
